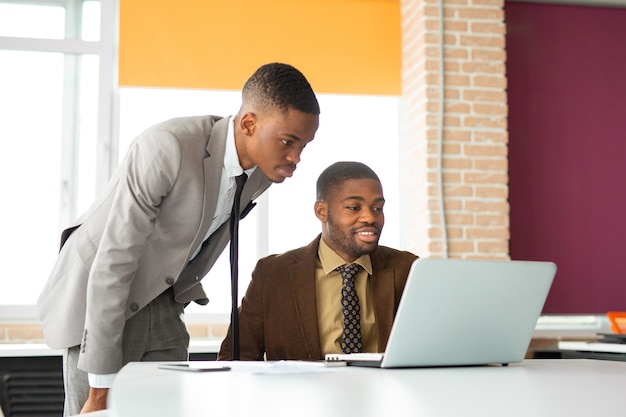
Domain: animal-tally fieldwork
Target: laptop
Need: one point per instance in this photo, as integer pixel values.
(457, 312)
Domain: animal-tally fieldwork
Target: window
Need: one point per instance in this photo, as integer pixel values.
(357, 128)
(52, 83)
(61, 143)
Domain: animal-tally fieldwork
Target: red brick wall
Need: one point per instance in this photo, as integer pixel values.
(475, 138)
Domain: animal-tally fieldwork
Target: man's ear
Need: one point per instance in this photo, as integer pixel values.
(321, 210)
(248, 123)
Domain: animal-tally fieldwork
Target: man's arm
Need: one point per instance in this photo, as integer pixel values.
(96, 401)
(98, 391)
(149, 172)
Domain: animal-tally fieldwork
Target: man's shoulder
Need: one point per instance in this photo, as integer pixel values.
(306, 253)
(290, 256)
(177, 133)
(190, 124)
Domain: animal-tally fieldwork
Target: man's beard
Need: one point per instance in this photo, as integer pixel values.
(346, 241)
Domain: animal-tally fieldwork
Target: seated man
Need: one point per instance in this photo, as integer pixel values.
(297, 302)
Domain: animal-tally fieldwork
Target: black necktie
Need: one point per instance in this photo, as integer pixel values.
(234, 279)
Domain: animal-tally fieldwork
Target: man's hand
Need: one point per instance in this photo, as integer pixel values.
(97, 400)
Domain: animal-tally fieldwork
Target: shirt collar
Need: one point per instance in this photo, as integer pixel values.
(330, 260)
(231, 159)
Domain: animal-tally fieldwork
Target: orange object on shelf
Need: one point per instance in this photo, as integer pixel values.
(618, 321)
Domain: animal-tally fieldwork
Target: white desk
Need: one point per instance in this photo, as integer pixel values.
(537, 388)
(39, 349)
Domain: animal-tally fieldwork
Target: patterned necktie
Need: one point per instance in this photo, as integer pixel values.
(351, 339)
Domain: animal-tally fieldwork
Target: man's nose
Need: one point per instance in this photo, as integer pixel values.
(294, 156)
(368, 215)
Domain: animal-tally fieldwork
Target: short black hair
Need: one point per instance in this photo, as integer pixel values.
(339, 172)
(280, 86)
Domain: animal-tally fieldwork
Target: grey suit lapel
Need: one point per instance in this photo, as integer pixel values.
(213, 164)
(255, 186)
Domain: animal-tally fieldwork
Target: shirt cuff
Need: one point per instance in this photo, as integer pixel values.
(101, 381)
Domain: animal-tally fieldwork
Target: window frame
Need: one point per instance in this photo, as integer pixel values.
(107, 112)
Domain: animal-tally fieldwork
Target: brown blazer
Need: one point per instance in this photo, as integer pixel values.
(278, 315)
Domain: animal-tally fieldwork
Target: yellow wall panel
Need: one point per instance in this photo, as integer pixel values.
(342, 46)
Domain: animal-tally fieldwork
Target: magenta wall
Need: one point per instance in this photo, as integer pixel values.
(567, 154)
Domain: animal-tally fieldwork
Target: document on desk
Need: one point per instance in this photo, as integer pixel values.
(195, 366)
(310, 364)
(284, 367)
(593, 347)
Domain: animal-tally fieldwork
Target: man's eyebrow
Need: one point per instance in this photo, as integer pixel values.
(292, 136)
(360, 198)
(353, 197)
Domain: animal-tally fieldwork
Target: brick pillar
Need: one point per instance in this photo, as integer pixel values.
(475, 138)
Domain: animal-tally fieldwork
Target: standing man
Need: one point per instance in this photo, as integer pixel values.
(300, 306)
(130, 263)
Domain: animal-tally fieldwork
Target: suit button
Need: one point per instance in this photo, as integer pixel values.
(169, 281)
(134, 307)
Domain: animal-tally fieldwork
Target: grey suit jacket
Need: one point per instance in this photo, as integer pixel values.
(136, 240)
(278, 315)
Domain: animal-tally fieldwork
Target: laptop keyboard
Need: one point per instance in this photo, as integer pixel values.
(363, 356)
